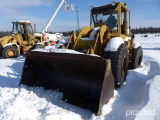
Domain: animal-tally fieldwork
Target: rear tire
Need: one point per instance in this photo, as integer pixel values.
(10, 52)
(136, 58)
(119, 64)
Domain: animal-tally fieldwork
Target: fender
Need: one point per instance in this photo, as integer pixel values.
(11, 44)
(114, 44)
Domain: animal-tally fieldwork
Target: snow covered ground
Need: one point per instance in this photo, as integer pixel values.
(138, 99)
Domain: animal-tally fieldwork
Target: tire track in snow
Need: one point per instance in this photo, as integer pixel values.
(135, 94)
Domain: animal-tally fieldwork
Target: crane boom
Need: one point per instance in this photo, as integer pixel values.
(53, 16)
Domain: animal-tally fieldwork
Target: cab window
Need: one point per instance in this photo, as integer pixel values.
(30, 31)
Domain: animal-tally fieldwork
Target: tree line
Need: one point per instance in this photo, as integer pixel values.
(4, 33)
(143, 30)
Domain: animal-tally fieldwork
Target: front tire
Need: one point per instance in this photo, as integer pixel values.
(10, 52)
(119, 63)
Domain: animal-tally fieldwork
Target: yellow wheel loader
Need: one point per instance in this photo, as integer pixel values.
(21, 40)
(99, 63)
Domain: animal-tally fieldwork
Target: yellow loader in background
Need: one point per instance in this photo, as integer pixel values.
(85, 76)
(24, 39)
(21, 40)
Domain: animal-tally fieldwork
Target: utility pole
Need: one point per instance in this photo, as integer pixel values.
(77, 18)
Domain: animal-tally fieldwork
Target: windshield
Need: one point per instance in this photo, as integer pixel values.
(106, 15)
(109, 19)
(102, 18)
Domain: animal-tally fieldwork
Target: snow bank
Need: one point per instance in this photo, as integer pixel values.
(140, 93)
(151, 111)
(33, 103)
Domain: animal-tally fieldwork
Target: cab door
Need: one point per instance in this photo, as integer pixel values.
(30, 33)
(23, 34)
(27, 33)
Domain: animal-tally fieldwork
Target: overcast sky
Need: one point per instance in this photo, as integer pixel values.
(144, 13)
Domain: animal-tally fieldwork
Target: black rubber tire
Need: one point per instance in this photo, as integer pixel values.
(136, 58)
(36, 46)
(5, 52)
(119, 64)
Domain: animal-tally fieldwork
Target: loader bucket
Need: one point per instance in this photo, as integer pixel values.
(86, 81)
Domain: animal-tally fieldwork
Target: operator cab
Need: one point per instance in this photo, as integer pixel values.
(115, 16)
(105, 15)
(24, 28)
